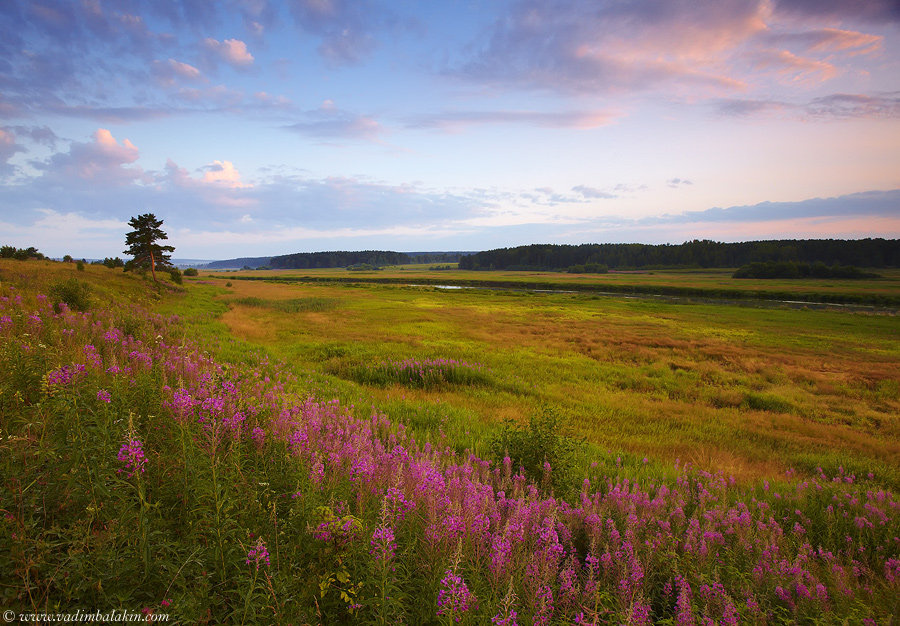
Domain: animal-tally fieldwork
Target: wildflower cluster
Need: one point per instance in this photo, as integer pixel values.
(258, 554)
(131, 454)
(454, 598)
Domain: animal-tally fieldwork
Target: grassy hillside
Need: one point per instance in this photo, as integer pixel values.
(299, 456)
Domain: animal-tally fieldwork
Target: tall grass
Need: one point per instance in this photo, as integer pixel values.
(421, 373)
(294, 305)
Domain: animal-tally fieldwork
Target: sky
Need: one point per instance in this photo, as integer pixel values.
(257, 128)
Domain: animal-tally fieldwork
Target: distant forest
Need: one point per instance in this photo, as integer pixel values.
(375, 258)
(313, 260)
(857, 252)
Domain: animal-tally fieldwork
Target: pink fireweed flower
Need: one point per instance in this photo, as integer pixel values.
(132, 455)
(258, 554)
(683, 605)
(317, 472)
(258, 436)
(892, 569)
(397, 504)
(545, 606)
(91, 356)
(104, 396)
(383, 545)
(454, 598)
(505, 619)
(60, 377)
(113, 335)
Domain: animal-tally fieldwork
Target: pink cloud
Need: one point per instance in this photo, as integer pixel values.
(833, 39)
(223, 173)
(232, 51)
(168, 71)
(794, 68)
(689, 48)
(456, 120)
(103, 160)
(585, 47)
(218, 174)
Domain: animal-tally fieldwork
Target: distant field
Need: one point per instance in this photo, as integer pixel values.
(716, 283)
(751, 391)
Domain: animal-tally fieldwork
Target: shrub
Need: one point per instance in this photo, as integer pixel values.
(79, 266)
(190, 272)
(422, 373)
(538, 444)
(175, 273)
(74, 293)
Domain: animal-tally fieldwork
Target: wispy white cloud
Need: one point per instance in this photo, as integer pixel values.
(832, 106)
(457, 120)
(346, 27)
(8, 149)
(329, 122)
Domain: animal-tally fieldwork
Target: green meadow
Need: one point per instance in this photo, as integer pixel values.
(749, 390)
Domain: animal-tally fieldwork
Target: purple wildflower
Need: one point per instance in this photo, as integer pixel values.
(104, 396)
(60, 377)
(132, 455)
(383, 545)
(258, 554)
(454, 598)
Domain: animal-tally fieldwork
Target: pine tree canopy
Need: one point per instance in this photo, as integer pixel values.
(142, 244)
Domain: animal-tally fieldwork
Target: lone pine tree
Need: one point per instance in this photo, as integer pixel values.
(142, 244)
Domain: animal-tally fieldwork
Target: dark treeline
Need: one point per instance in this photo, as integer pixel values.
(858, 252)
(435, 257)
(22, 254)
(313, 260)
(251, 262)
(789, 269)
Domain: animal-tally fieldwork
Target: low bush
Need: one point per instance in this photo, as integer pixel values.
(546, 456)
(74, 293)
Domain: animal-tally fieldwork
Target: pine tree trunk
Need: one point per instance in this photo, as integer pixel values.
(152, 266)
